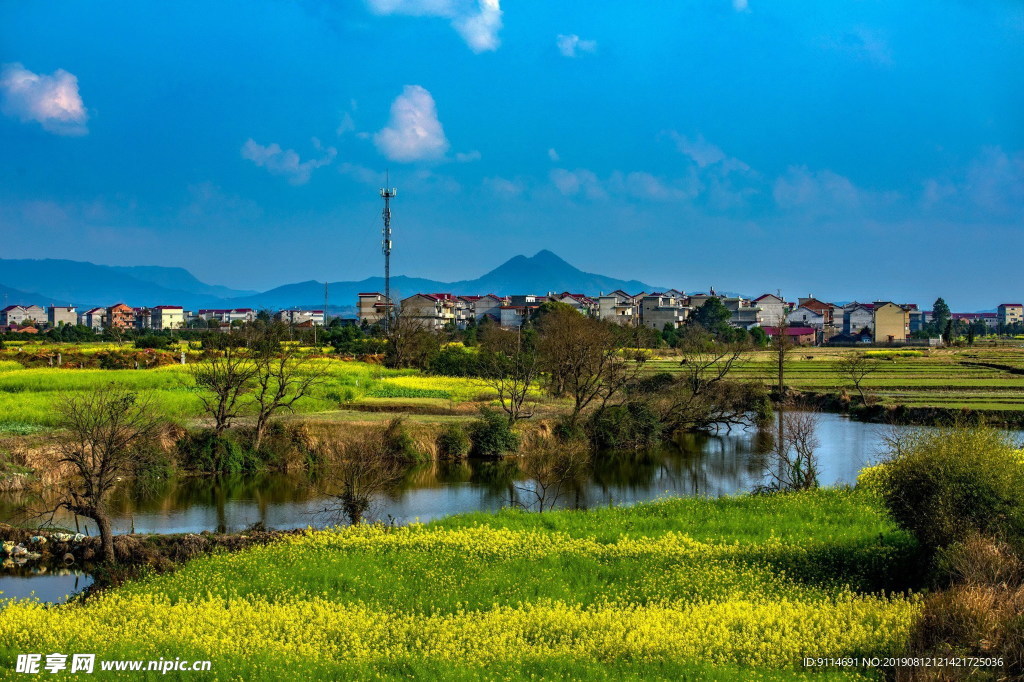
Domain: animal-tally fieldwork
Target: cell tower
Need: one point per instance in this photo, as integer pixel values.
(387, 193)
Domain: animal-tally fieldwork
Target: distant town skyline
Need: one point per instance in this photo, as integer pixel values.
(858, 148)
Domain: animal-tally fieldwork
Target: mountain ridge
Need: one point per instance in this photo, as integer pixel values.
(85, 284)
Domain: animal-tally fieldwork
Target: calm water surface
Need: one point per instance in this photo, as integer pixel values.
(697, 465)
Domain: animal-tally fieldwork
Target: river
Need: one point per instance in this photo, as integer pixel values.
(696, 465)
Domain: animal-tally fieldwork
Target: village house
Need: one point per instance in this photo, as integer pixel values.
(919, 319)
(658, 309)
(166, 317)
(94, 318)
(991, 320)
(583, 304)
(1010, 313)
(477, 308)
(313, 317)
(12, 315)
(432, 310)
(226, 315)
(120, 316)
(373, 307)
(620, 307)
(745, 313)
(857, 317)
(891, 322)
(799, 336)
(56, 315)
(772, 309)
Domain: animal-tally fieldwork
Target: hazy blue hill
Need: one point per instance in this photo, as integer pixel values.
(540, 274)
(65, 282)
(179, 279)
(10, 296)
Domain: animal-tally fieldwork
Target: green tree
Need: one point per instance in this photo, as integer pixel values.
(940, 316)
(713, 316)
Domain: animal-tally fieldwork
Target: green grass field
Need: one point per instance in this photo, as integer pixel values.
(980, 378)
(734, 588)
(27, 396)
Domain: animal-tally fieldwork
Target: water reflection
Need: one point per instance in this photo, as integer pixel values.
(695, 464)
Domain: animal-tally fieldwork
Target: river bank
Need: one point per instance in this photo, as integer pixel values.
(728, 588)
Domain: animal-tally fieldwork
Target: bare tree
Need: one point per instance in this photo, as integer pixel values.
(586, 358)
(103, 431)
(411, 341)
(855, 367)
(796, 462)
(553, 468)
(510, 370)
(781, 345)
(223, 382)
(282, 378)
(703, 396)
(361, 469)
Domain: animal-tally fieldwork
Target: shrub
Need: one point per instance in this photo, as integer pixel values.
(949, 484)
(491, 434)
(398, 443)
(455, 361)
(453, 442)
(629, 426)
(207, 452)
(155, 341)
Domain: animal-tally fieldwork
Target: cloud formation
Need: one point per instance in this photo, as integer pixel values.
(822, 189)
(414, 132)
(477, 21)
(467, 157)
(286, 162)
(740, 5)
(52, 101)
(572, 45)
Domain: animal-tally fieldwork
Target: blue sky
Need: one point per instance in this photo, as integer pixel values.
(854, 150)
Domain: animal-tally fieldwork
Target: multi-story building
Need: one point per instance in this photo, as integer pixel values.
(94, 318)
(12, 315)
(620, 307)
(432, 310)
(373, 307)
(658, 309)
(857, 317)
(583, 304)
(167, 317)
(891, 323)
(227, 315)
(745, 313)
(56, 315)
(991, 320)
(120, 316)
(1010, 313)
(772, 310)
(312, 317)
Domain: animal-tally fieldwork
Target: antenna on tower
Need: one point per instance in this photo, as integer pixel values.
(387, 193)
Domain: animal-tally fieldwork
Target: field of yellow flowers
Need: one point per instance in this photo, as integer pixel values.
(738, 588)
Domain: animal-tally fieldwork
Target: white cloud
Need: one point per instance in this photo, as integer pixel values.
(572, 45)
(991, 184)
(477, 21)
(52, 101)
(467, 157)
(641, 185)
(740, 5)
(700, 150)
(581, 180)
(414, 131)
(362, 174)
(553, 155)
(346, 125)
(286, 162)
(504, 187)
(824, 189)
